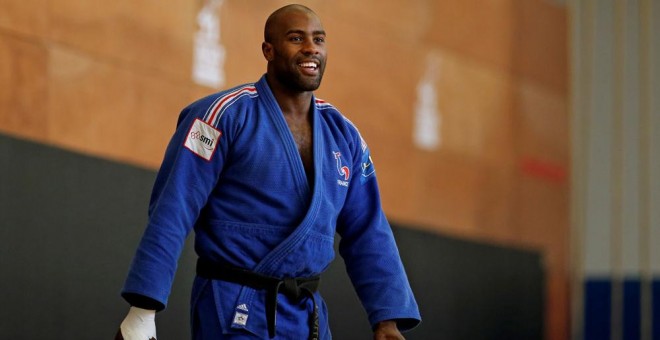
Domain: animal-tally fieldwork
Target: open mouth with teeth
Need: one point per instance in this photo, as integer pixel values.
(309, 67)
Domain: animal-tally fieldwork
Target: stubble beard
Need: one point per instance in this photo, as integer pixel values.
(295, 81)
(301, 83)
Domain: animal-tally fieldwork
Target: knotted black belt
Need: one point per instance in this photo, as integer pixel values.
(294, 288)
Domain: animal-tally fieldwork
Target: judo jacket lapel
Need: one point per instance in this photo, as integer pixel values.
(275, 262)
(270, 264)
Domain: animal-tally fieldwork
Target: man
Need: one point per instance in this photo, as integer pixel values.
(266, 174)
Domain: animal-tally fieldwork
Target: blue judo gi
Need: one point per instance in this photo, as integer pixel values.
(232, 172)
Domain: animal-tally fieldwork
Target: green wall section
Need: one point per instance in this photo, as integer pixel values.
(69, 225)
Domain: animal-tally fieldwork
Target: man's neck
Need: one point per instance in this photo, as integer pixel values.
(295, 104)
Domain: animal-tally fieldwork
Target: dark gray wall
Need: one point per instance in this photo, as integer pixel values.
(69, 225)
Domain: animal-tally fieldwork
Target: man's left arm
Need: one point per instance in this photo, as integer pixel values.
(372, 257)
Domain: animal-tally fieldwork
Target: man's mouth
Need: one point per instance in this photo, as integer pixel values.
(309, 65)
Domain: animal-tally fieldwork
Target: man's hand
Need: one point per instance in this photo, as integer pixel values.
(387, 330)
(139, 324)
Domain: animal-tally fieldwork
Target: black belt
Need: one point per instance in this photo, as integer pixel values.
(294, 288)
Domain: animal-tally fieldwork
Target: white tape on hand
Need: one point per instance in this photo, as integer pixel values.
(139, 324)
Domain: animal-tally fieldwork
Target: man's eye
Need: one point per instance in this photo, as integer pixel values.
(319, 40)
(296, 38)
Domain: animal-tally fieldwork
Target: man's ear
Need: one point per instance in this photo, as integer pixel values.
(267, 50)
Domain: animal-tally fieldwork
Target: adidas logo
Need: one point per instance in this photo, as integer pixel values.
(242, 307)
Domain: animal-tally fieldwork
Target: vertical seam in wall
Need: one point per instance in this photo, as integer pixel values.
(582, 35)
(616, 179)
(653, 170)
(645, 107)
(576, 100)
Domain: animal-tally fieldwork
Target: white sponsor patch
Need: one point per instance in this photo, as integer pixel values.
(202, 139)
(240, 319)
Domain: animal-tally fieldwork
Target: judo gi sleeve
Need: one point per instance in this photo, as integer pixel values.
(188, 174)
(369, 250)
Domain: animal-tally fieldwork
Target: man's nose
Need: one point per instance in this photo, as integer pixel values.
(310, 47)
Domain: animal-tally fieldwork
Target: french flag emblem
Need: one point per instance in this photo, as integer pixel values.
(342, 169)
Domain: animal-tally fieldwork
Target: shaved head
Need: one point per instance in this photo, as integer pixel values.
(274, 19)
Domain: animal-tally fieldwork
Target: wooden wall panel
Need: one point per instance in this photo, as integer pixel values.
(476, 106)
(541, 201)
(151, 36)
(397, 21)
(476, 154)
(25, 16)
(242, 35)
(543, 121)
(476, 29)
(23, 90)
(527, 38)
(104, 109)
(540, 49)
(447, 191)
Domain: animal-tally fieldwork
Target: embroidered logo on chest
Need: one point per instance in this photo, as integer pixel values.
(344, 171)
(202, 139)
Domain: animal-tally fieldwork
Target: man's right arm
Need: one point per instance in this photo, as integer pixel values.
(183, 184)
(188, 174)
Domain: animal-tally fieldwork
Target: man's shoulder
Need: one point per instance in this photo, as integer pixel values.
(344, 124)
(323, 105)
(214, 106)
(329, 111)
(227, 96)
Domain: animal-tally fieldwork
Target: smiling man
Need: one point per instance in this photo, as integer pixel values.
(266, 174)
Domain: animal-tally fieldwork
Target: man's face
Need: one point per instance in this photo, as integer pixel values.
(297, 54)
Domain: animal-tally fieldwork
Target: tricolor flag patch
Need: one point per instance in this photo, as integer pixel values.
(202, 139)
